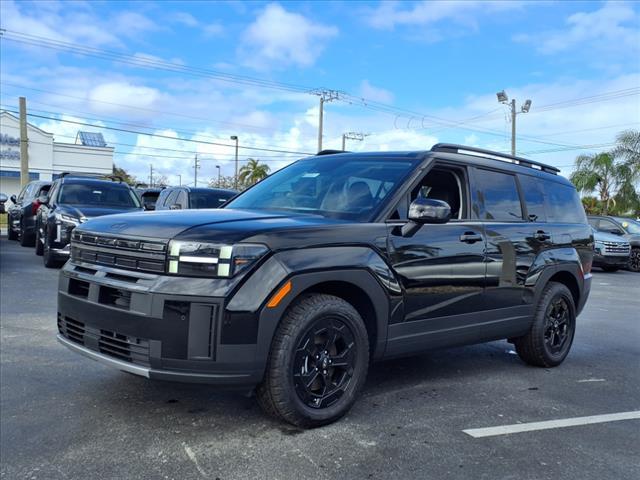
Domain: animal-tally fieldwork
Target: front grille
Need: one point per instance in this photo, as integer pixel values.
(128, 254)
(616, 247)
(71, 329)
(122, 347)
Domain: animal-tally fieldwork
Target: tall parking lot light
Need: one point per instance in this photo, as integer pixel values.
(235, 180)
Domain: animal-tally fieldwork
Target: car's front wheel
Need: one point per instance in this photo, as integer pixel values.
(554, 324)
(318, 362)
(25, 240)
(11, 235)
(634, 260)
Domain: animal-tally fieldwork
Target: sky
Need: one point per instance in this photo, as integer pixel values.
(409, 74)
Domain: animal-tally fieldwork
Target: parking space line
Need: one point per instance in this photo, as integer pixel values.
(561, 423)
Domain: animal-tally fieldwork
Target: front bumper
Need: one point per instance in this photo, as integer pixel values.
(136, 322)
(610, 260)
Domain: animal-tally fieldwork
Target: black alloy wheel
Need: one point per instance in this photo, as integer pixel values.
(549, 339)
(324, 362)
(634, 260)
(318, 362)
(557, 328)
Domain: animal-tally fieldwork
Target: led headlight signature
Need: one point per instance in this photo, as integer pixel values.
(212, 259)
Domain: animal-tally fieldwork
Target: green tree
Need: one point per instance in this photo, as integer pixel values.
(122, 173)
(253, 172)
(628, 149)
(597, 172)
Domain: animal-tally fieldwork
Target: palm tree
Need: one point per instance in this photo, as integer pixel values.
(598, 172)
(628, 148)
(253, 172)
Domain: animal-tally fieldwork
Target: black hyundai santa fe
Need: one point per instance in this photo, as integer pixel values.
(298, 284)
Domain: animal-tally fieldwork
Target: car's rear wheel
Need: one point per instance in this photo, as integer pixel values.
(39, 243)
(25, 240)
(11, 235)
(318, 362)
(549, 340)
(634, 260)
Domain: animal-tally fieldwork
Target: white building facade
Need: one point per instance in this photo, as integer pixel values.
(47, 158)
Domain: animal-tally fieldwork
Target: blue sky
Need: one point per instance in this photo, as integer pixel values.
(434, 65)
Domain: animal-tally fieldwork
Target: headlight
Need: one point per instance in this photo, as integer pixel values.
(63, 217)
(212, 259)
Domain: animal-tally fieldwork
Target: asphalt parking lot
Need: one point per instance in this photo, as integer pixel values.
(64, 416)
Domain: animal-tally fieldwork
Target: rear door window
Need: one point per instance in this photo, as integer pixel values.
(533, 198)
(564, 203)
(496, 196)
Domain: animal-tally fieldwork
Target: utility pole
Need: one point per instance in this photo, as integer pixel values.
(235, 179)
(352, 136)
(179, 179)
(219, 182)
(504, 99)
(196, 166)
(151, 174)
(325, 96)
(24, 143)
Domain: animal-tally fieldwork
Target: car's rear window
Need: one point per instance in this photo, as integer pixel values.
(209, 199)
(563, 202)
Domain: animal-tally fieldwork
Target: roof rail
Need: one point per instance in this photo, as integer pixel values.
(114, 178)
(330, 152)
(525, 162)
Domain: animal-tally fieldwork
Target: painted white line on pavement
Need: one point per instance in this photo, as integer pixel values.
(561, 423)
(592, 380)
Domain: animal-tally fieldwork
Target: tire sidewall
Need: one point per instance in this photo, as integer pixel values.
(555, 291)
(349, 316)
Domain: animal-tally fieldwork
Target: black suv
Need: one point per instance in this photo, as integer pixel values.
(22, 214)
(625, 228)
(72, 200)
(179, 198)
(337, 260)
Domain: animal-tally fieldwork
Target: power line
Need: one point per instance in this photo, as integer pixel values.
(166, 136)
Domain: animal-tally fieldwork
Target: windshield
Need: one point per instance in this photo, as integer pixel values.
(209, 199)
(98, 194)
(631, 226)
(338, 187)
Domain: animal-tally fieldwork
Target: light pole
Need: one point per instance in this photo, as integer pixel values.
(218, 167)
(235, 180)
(352, 136)
(179, 179)
(504, 99)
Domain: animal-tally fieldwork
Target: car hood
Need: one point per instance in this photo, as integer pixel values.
(609, 237)
(209, 224)
(91, 212)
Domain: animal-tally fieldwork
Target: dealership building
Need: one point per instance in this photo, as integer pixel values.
(48, 158)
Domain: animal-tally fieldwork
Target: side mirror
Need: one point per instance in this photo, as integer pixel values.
(13, 198)
(43, 199)
(175, 206)
(426, 210)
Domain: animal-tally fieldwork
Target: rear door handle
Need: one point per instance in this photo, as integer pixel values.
(470, 237)
(542, 235)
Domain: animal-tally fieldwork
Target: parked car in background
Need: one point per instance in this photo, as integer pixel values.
(3, 200)
(299, 282)
(72, 200)
(22, 214)
(148, 195)
(184, 198)
(626, 228)
(611, 251)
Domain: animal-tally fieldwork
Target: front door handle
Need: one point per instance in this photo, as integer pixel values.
(470, 237)
(542, 236)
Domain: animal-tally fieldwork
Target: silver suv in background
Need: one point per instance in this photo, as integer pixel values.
(611, 251)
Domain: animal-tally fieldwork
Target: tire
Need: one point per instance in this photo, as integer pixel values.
(50, 261)
(634, 260)
(610, 269)
(11, 235)
(316, 333)
(554, 323)
(24, 240)
(39, 246)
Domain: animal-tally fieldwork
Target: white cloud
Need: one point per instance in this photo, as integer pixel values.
(376, 94)
(390, 15)
(213, 29)
(122, 93)
(280, 38)
(601, 37)
(185, 19)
